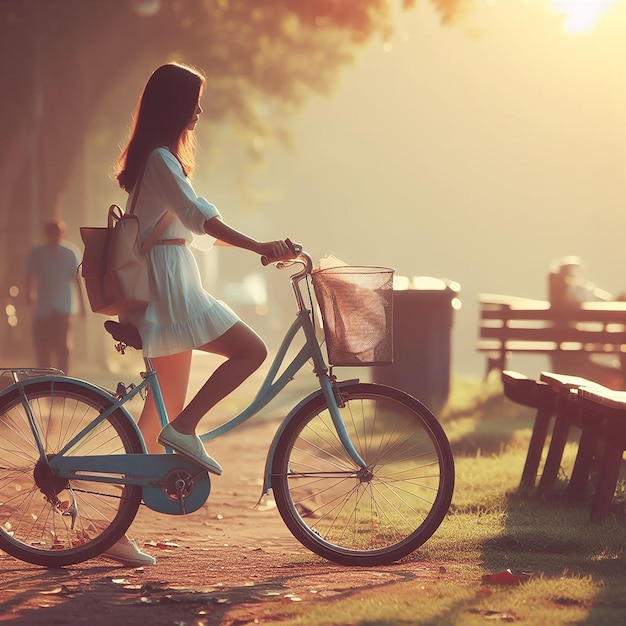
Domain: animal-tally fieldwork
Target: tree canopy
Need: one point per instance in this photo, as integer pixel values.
(61, 57)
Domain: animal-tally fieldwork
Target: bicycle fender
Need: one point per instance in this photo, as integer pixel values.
(101, 391)
(267, 478)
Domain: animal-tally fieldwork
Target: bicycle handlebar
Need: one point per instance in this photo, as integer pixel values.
(301, 257)
(295, 248)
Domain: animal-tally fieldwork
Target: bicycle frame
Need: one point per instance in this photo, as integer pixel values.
(272, 386)
(147, 470)
(275, 382)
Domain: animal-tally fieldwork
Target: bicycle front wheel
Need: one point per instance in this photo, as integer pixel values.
(47, 520)
(370, 516)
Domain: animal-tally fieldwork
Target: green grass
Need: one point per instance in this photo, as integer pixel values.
(579, 568)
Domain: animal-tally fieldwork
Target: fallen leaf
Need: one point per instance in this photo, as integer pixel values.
(507, 577)
(494, 615)
(503, 617)
(162, 545)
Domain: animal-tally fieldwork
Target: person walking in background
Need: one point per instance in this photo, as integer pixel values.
(52, 284)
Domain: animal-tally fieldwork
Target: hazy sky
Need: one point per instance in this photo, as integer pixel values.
(478, 152)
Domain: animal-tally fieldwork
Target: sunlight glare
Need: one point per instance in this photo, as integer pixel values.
(581, 16)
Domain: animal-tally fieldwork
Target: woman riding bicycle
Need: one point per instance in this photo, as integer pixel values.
(156, 166)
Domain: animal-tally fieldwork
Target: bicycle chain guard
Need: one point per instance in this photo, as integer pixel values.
(183, 489)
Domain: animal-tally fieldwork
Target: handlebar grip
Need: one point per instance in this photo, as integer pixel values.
(295, 249)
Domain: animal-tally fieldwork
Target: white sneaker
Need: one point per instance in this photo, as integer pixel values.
(126, 551)
(190, 446)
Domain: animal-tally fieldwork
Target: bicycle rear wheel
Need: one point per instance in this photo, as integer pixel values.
(50, 521)
(364, 517)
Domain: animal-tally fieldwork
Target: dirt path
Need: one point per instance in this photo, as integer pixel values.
(220, 565)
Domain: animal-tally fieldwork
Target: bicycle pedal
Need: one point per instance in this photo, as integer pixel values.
(181, 487)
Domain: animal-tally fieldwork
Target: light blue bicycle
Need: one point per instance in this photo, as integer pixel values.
(362, 474)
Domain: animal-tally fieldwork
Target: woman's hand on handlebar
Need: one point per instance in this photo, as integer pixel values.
(281, 250)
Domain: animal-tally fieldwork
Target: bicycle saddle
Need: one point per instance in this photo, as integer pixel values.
(126, 333)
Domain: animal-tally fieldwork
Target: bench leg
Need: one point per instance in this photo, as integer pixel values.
(497, 362)
(607, 481)
(576, 490)
(551, 467)
(535, 449)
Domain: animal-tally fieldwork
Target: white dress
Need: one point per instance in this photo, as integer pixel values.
(181, 315)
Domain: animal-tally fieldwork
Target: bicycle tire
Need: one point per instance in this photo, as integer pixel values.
(45, 520)
(364, 518)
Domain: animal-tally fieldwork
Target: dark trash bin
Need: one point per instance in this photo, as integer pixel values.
(422, 323)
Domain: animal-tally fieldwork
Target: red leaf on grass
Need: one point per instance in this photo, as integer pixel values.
(506, 577)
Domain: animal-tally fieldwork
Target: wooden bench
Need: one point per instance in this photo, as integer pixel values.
(600, 415)
(542, 397)
(521, 325)
(607, 410)
(548, 395)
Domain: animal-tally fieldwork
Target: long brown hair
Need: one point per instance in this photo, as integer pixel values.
(166, 107)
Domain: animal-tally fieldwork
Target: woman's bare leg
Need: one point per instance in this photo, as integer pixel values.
(245, 352)
(173, 374)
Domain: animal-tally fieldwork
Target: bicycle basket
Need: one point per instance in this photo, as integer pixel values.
(356, 303)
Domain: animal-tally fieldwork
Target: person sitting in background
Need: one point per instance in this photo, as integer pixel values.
(568, 288)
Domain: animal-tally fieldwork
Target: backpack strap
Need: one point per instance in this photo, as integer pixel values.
(137, 188)
(157, 231)
(161, 225)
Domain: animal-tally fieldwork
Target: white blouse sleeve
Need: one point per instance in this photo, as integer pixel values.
(164, 176)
